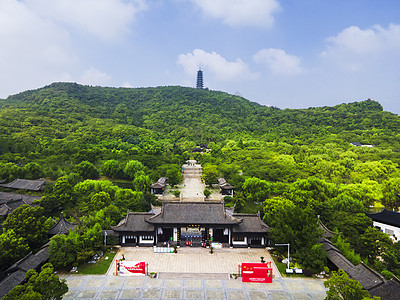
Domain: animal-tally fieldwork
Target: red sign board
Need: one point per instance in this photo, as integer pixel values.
(129, 268)
(256, 272)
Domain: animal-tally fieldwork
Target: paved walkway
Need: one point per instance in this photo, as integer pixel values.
(112, 287)
(193, 188)
(194, 260)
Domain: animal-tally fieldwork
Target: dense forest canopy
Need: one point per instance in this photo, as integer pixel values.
(292, 164)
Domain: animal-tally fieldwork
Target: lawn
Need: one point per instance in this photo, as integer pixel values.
(282, 269)
(100, 267)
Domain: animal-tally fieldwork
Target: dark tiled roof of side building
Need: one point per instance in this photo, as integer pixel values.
(366, 276)
(25, 184)
(251, 223)
(62, 226)
(11, 201)
(135, 222)
(32, 261)
(11, 281)
(388, 291)
(161, 183)
(386, 217)
(18, 270)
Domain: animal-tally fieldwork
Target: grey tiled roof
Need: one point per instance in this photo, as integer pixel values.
(135, 222)
(32, 261)
(388, 291)
(11, 201)
(366, 276)
(193, 213)
(336, 257)
(224, 185)
(327, 233)
(61, 227)
(25, 184)
(11, 281)
(251, 223)
(386, 217)
(161, 183)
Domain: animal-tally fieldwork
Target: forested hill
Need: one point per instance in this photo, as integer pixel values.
(291, 164)
(200, 115)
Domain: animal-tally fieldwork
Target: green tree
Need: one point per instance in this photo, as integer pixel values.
(128, 199)
(210, 174)
(112, 168)
(341, 286)
(291, 224)
(313, 258)
(63, 250)
(373, 243)
(12, 248)
(33, 170)
(132, 167)
(174, 174)
(391, 193)
(87, 170)
(98, 201)
(256, 190)
(346, 249)
(44, 285)
(141, 183)
(28, 222)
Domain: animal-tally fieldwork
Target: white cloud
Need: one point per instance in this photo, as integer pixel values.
(278, 61)
(93, 76)
(257, 13)
(106, 19)
(356, 49)
(214, 62)
(33, 51)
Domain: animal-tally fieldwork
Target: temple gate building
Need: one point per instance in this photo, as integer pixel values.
(192, 224)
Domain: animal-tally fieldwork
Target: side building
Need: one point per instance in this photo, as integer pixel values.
(388, 222)
(194, 224)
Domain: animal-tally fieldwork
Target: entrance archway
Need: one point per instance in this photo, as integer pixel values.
(193, 236)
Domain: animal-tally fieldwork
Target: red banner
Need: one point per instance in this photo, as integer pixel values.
(129, 268)
(257, 272)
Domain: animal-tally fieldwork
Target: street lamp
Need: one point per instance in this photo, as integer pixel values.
(288, 250)
(105, 238)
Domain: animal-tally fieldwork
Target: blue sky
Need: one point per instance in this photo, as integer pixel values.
(289, 54)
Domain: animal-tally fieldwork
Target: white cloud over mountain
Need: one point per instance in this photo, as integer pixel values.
(278, 61)
(214, 62)
(255, 13)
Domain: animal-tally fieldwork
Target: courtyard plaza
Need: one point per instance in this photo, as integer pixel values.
(192, 273)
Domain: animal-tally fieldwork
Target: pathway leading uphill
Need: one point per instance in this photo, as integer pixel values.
(193, 187)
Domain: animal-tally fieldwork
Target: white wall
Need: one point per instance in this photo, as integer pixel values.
(385, 228)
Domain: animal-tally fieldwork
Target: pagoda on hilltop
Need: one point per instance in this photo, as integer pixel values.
(199, 82)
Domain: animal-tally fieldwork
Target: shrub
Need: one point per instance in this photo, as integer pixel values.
(176, 193)
(387, 274)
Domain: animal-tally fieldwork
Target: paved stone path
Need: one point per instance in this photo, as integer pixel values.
(193, 188)
(194, 260)
(111, 287)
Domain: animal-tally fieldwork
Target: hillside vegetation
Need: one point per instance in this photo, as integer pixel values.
(291, 164)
